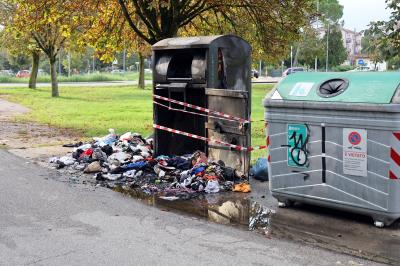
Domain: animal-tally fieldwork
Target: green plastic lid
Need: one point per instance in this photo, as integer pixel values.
(352, 87)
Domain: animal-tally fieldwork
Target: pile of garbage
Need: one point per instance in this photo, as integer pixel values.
(128, 161)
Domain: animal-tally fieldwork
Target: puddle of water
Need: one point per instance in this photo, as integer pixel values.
(239, 210)
(226, 208)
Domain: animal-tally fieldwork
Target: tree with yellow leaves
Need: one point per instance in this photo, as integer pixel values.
(18, 43)
(269, 25)
(51, 24)
(110, 33)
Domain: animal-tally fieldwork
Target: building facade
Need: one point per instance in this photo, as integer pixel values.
(352, 43)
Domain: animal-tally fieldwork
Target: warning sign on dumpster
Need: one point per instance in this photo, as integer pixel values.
(355, 154)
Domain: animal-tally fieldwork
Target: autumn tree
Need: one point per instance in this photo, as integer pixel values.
(268, 25)
(51, 24)
(17, 43)
(384, 36)
(110, 33)
(390, 30)
(374, 48)
(310, 47)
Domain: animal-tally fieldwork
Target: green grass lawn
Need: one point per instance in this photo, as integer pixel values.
(79, 78)
(93, 110)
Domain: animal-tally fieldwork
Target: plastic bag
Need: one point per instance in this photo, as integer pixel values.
(260, 169)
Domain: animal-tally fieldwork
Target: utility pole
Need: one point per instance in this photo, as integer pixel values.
(316, 64)
(316, 58)
(327, 50)
(291, 56)
(260, 68)
(93, 63)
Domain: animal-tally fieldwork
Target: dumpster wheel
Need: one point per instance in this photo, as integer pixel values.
(285, 203)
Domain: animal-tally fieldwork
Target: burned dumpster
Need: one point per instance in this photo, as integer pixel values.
(193, 79)
(334, 141)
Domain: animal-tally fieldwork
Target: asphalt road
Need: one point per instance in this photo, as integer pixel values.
(47, 220)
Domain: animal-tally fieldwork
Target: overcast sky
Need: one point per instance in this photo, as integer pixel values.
(358, 13)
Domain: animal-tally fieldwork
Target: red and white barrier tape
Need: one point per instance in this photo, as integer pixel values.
(236, 147)
(231, 117)
(193, 113)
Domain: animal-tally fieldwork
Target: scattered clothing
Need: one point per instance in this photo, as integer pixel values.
(242, 187)
(127, 161)
(212, 187)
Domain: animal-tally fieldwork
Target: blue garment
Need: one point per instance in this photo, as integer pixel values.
(180, 163)
(135, 166)
(197, 170)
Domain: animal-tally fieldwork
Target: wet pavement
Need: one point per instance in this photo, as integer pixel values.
(325, 228)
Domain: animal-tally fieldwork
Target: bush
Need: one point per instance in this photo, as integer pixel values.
(342, 68)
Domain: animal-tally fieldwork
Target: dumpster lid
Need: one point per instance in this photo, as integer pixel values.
(352, 87)
(193, 42)
(185, 42)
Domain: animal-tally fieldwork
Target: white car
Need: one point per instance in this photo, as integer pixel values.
(117, 71)
(361, 69)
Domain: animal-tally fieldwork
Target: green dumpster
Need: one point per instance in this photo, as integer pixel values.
(334, 141)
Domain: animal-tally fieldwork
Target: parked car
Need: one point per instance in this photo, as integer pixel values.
(23, 74)
(7, 72)
(361, 69)
(41, 72)
(254, 74)
(292, 70)
(117, 71)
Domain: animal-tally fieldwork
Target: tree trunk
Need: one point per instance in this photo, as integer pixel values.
(296, 56)
(141, 72)
(53, 73)
(35, 68)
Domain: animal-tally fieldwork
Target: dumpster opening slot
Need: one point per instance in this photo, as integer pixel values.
(333, 87)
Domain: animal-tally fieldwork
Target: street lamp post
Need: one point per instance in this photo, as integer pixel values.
(291, 56)
(316, 58)
(327, 50)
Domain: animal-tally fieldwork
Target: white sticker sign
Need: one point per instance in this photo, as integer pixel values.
(355, 154)
(301, 89)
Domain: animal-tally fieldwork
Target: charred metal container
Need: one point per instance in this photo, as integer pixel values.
(212, 72)
(334, 141)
